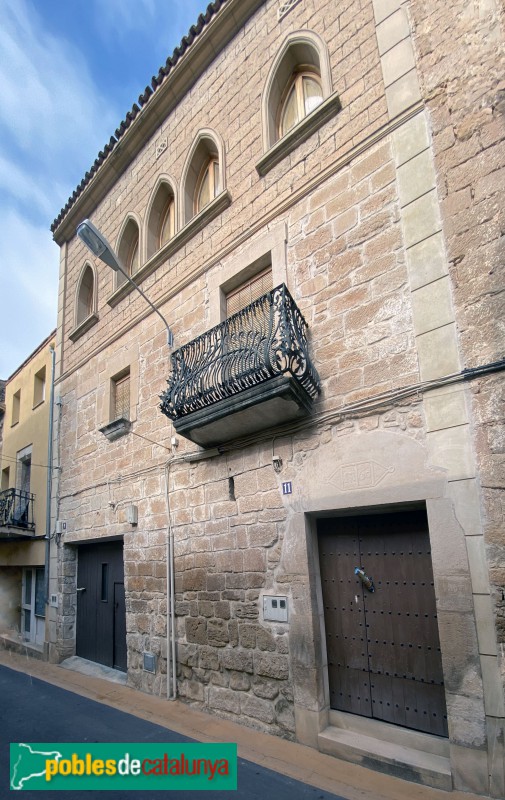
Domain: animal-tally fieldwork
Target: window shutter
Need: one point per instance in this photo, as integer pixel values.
(248, 292)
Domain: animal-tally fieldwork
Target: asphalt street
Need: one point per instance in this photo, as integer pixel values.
(35, 711)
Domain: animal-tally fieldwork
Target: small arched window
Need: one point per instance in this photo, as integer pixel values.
(204, 174)
(161, 221)
(207, 187)
(167, 226)
(302, 95)
(128, 251)
(85, 295)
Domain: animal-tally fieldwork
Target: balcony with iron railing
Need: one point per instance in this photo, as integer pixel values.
(250, 373)
(16, 514)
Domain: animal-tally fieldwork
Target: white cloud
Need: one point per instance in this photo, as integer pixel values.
(28, 279)
(49, 102)
(15, 181)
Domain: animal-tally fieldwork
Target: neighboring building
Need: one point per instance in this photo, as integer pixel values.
(2, 412)
(23, 502)
(318, 441)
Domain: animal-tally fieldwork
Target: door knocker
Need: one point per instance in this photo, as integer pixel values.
(365, 580)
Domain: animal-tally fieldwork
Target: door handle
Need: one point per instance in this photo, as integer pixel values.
(365, 579)
(81, 589)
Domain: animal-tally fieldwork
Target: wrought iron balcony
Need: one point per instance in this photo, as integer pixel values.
(16, 514)
(251, 372)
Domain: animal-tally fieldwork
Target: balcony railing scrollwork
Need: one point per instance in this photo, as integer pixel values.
(16, 509)
(264, 341)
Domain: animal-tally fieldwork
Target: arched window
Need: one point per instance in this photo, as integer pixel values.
(167, 226)
(298, 82)
(161, 225)
(204, 174)
(128, 251)
(85, 295)
(302, 95)
(207, 187)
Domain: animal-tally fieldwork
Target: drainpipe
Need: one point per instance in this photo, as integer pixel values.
(171, 662)
(49, 478)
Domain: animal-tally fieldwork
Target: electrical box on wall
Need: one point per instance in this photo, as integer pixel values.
(149, 664)
(53, 602)
(275, 608)
(61, 526)
(132, 515)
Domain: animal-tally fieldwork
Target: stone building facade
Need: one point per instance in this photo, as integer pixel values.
(380, 212)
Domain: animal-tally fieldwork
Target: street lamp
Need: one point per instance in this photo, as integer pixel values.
(100, 247)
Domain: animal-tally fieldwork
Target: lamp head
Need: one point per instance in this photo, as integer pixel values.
(98, 244)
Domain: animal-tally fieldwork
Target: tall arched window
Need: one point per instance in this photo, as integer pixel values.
(204, 174)
(207, 187)
(85, 295)
(167, 226)
(161, 224)
(298, 82)
(302, 95)
(128, 251)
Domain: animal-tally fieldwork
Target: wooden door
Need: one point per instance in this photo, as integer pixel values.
(383, 647)
(101, 615)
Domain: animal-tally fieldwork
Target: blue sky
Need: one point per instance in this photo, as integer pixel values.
(69, 72)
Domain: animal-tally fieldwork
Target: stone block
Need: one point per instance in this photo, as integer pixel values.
(397, 61)
(466, 500)
(208, 658)
(426, 261)
(238, 660)
(265, 640)
(460, 658)
(194, 690)
(284, 713)
(445, 408)
(271, 666)
(194, 580)
(467, 721)
(448, 543)
(224, 700)
(451, 449)
(416, 177)
(421, 219)
(432, 306)
(307, 726)
(454, 593)
(240, 682)
(268, 689)
(196, 630)
(496, 762)
(257, 708)
(246, 611)
(438, 353)
(493, 689)
(484, 619)
(217, 633)
(403, 93)
(469, 769)
(392, 30)
(384, 8)
(478, 564)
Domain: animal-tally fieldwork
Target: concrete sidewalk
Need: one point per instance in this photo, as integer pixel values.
(294, 760)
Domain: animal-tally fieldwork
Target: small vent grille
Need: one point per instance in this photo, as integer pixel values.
(286, 7)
